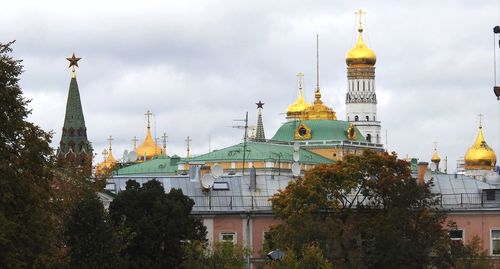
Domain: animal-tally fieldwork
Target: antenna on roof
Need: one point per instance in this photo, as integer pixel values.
(244, 141)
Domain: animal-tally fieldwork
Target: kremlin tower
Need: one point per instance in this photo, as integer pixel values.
(361, 100)
(75, 149)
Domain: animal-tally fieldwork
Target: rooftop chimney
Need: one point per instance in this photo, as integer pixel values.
(422, 168)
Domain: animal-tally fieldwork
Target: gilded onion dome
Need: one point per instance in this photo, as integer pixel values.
(296, 109)
(148, 149)
(108, 164)
(318, 111)
(435, 157)
(480, 156)
(360, 55)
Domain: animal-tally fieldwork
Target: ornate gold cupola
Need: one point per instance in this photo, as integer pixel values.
(435, 157)
(480, 156)
(360, 55)
(109, 162)
(148, 149)
(296, 109)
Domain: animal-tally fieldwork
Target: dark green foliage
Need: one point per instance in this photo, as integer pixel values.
(26, 166)
(154, 224)
(90, 237)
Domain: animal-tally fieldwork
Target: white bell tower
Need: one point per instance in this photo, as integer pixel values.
(361, 99)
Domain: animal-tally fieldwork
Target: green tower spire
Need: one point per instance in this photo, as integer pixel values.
(259, 135)
(74, 148)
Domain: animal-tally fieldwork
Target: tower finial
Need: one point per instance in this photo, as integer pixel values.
(188, 141)
(317, 62)
(73, 61)
(135, 141)
(480, 120)
(360, 12)
(110, 139)
(300, 75)
(435, 145)
(148, 113)
(165, 138)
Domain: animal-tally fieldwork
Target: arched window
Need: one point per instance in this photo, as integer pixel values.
(356, 118)
(374, 118)
(369, 137)
(367, 118)
(348, 118)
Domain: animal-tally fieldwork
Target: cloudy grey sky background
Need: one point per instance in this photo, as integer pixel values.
(200, 64)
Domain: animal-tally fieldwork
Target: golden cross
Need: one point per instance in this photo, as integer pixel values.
(165, 138)
(135, 141)
(360, 12)
(147, 115)
(435, 145)
(104, 154)
(109, 140)
(480, 120)
(300, 75)
(188, 140)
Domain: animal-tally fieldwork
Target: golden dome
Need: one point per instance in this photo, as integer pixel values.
(480, 156)
(435, 157)
(318, 111)
(148, 148)
(296, 108)
(107, 165)
(361, 54)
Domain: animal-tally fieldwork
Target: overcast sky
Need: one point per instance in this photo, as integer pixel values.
(200, 64)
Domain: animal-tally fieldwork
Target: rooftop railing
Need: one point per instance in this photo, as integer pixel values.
(256, 203)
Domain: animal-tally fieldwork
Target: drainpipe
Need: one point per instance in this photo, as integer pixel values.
(248, 239)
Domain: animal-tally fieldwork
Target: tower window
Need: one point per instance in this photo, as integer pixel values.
(373, 118)
(367, 118)
(356, 118)
(369, 137)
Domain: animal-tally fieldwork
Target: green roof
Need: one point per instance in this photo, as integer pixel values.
(322, 130)
(160, 165)
(260, 151)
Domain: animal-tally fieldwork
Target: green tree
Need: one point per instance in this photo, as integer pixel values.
(311, 257)
(222, 255)
(364, 212)
(154, 224)
(27, 238)
(90, 237)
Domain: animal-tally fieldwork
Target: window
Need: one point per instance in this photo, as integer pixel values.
(495, 242)
(456, 235)
(367, 118)
(369, 137)
(490, 195)
(356, 118)
(228, 237)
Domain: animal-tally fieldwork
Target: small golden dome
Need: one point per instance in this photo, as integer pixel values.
(480, 156)
(295, 109)
(148, 148)
(360, 55)
(107, 165)
(435, 157)
(318, 111)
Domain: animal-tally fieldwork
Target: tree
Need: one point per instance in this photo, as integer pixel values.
(26, 170)
(364, 212)
(311, 258)
(222, 255)
(154, 224)
(90, 237)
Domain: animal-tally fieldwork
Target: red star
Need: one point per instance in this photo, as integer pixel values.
(73, 61)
